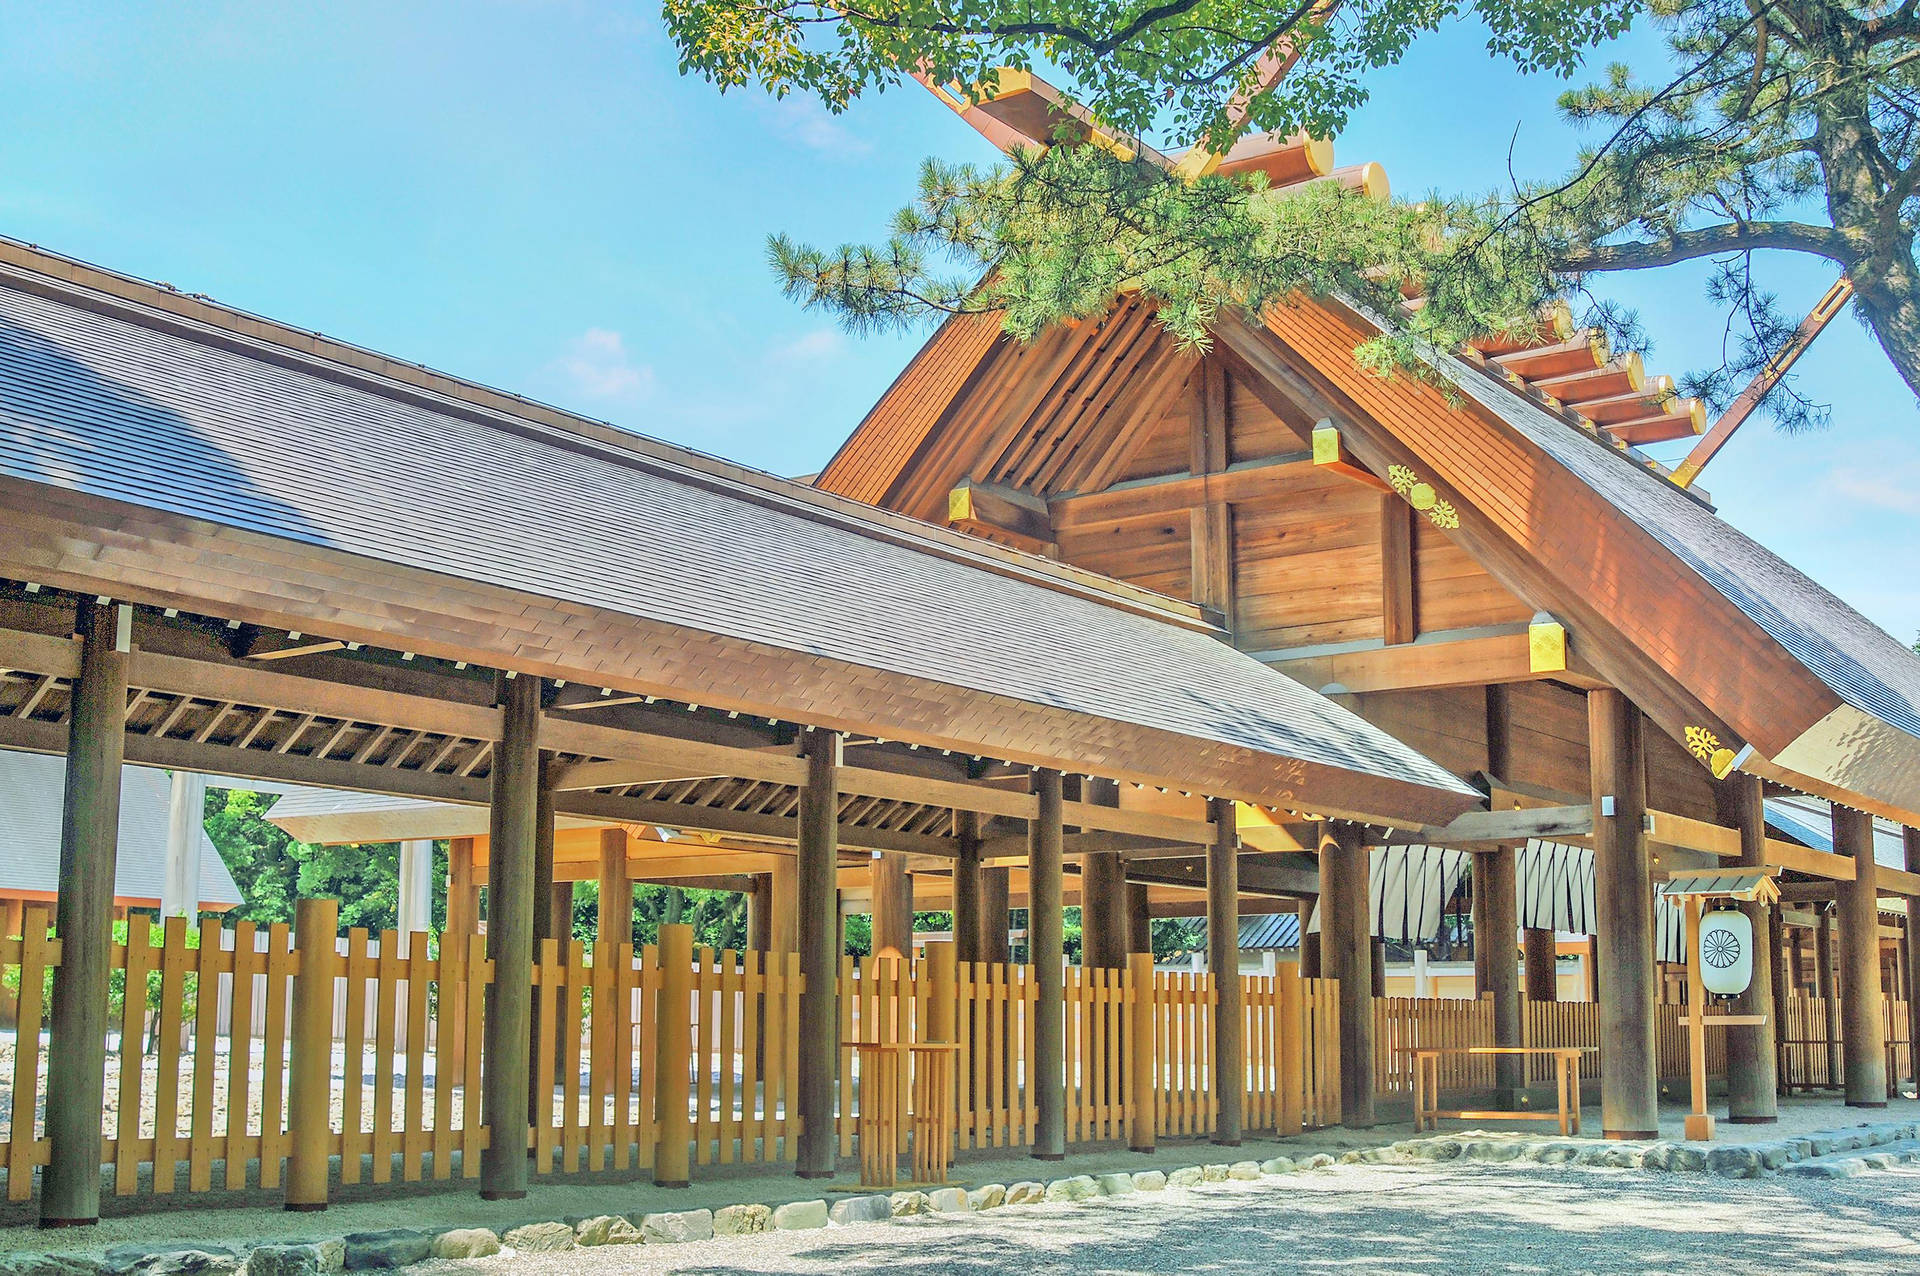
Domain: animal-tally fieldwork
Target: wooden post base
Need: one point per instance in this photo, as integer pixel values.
(1700, 1127)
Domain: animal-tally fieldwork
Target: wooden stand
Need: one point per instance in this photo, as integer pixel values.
(1691, 891)
(884, 1069)
(1426, 1086)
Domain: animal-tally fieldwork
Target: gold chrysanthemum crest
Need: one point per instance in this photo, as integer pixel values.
(1706, 746)
(1421, 496)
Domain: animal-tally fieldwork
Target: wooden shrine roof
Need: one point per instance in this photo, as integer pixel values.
(181, 455)
(1715, 632)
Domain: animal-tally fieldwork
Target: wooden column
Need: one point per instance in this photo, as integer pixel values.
(1910, 839)
(1346, 954)
(1826, 986)
(1542, 953)
(316, 926)
(1623, 894)
(1103, 896)
(546, 925)
(760, 914)
(1046, 954)
(1104, 923)
(1752, 1063)
(968, 923)
(1379, 985)
(463, 922)
(1139, 920)
(819, 927)
(614, 925)
(1780, 982)
(1477, 884)
(892, 906)
(89, 843)
(1862, 1011)
(1223, 960)
(1503, 968)
(511, 834)
(995, 946)
(1310, 964)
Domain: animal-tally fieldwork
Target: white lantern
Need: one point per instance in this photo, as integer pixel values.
(1724, 950)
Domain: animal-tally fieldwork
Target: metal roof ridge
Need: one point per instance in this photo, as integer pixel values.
(198, 317)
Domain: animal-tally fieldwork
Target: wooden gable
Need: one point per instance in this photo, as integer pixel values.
(1193, 475)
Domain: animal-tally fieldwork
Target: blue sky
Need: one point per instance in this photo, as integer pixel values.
(530, 195)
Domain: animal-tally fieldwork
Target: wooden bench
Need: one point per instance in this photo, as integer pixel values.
(1426, 1086)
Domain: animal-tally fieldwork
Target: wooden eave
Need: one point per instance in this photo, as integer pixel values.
(1647, 623)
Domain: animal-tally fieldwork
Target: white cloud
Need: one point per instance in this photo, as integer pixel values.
(1895, 488)
(810, 347)
(803, 120)
(599, 367)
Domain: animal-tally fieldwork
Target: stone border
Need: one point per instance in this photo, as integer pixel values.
(1800, 1155)
(403, 1247)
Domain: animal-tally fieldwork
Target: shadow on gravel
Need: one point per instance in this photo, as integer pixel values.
(1464, 1220)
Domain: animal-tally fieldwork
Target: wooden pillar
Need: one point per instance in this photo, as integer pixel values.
(1346, 954)
(1910, 839)
(1752, 1062)
(892, 906)
(760, 914)
(547, 924)
(511, 834)
(1863, 1015)
(1223, 960)
(968, 924)
(1379, 988)
(1139, 920)
(463, 922)
(1781, 984)
(1477, 883)
(1503, 968)
(1103, 896)
(995, 946)
(1826, 987)
(316, 926)
(1310, 965)
(819, 927)
(89, 843)
(1542, 952)
(1623, 893)
(614, 924)
(673, 1067)
(1046, 954)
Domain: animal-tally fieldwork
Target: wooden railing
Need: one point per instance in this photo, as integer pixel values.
(206, 1064)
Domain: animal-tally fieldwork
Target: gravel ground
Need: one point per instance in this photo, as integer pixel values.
(1351, 1220)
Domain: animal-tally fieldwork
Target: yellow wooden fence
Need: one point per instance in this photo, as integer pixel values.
(206, 1056)
(1807, 1063)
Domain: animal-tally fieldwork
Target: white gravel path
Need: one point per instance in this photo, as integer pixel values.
(1347, 1221)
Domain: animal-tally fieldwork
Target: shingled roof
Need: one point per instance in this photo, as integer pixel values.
(191, 419)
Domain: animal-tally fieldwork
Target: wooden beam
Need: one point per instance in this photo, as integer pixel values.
(1805, 859)
(1171, 493)
(1551, 823)
(1429, 662)
(1331, 455)
(1398, 616)
(1002, 513)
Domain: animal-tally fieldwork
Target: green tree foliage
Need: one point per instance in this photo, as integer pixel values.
(273, 870)
(1770, 128)
(1138, 64)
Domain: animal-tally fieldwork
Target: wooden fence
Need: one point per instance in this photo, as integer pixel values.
(204, 1056)
(1403, 1023)
(1807, 1062)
